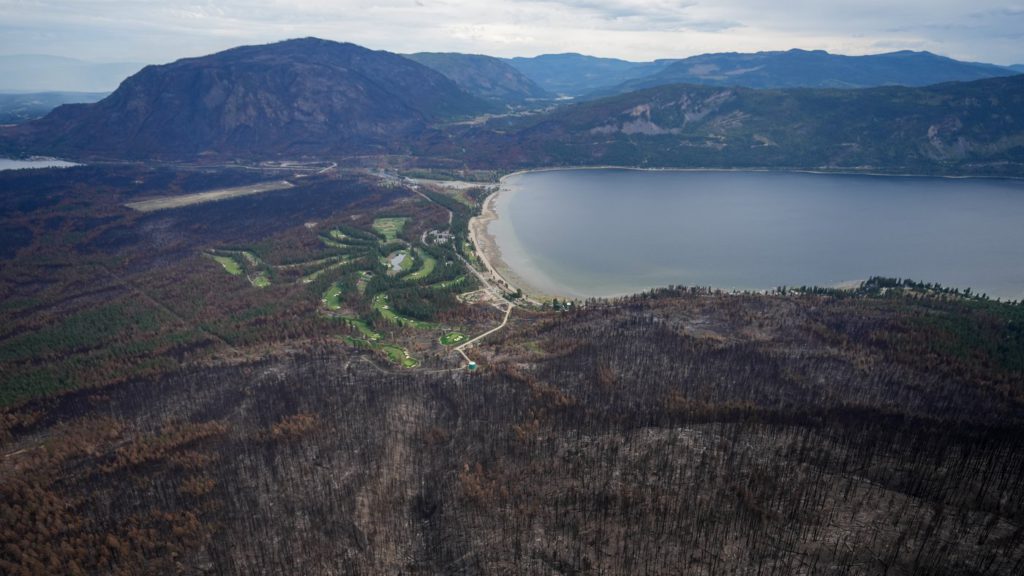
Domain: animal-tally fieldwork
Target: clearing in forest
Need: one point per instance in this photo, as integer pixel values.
(390, 227)
(453, 338)
(230, 264)
(381, 305)
(167, 202)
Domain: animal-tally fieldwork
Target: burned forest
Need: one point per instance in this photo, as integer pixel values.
(677, 431)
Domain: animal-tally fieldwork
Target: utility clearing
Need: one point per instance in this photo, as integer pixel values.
(168, 202)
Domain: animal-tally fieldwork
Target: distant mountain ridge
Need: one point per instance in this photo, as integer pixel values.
(573, 74)
(486, 77)
(25, 73)
(315, 98)
(296, 97)
(811, 69)
(16, 108)
(954, 128)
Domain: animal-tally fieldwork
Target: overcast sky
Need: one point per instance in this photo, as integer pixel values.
(154, 31)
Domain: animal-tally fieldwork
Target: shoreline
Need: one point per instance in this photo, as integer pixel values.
(489, 253)
(761, 170)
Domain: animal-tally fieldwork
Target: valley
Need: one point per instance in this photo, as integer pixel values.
(288, 312)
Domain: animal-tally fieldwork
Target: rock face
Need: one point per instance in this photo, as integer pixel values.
(293, 97)
(484, 76)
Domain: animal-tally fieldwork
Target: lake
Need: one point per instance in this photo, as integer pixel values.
(9, 164)
(608, 232)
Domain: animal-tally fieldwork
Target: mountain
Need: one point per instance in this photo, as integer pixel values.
(812, 69)
(44, 73)
(1017, 68)
(293, 97)
(576, 74)
(16, 108)
(955, 128)
(486, 77)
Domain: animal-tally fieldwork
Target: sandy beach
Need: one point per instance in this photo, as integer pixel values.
(490, 254)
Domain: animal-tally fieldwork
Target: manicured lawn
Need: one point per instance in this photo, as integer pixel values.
(365, 330)
(381, 305)
(332, 243)
(314, 275)
(229, 264)
(260, 281)
(453, 338)
(390, 227)
(448, 283)
(429, 263)
(332, 297)
(398, 355)
(251, 258)
(404, 265)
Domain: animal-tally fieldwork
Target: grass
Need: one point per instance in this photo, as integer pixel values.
(395, 353)
(404, 265)
(364, 279)
(260, 281)
(390, 227)
(332, 297)
(230, 264)
(453, 338)
(467, 251)
(407, 262)
(333, 243)
(380, 304)
(314, 275)
(399, 355)
(429, 263)
(251, 258)
(365, 330)
(448, 283)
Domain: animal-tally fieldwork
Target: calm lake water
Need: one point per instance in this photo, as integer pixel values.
(611, 232)
(8, 164)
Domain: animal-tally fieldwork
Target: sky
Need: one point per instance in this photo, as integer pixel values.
(151, 31)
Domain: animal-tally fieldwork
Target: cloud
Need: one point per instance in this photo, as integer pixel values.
(158, 31)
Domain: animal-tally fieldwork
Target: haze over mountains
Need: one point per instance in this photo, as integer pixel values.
(16, 108)
(317, 97)
(577, 74)
(812, 69)
(484, 76)
(44, 73)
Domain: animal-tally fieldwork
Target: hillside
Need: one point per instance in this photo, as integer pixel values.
(293, 97)
(957, 128)
(812, 69)
(577, 74)
(213, 389)
(484, 76)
